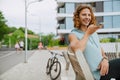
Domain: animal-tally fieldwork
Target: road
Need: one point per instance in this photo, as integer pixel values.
(8, 59)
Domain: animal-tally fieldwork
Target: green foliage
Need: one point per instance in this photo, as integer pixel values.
(33, 43)
(106, 40)
(3, 26)
(53, 42)
(10, 35)
(22, 29)
(13, 38)
(47, 39)
(12, 29)
(9, 40)
(6, 40)
(28, 31)
(18, 34)
(4, 29)
(118, 40)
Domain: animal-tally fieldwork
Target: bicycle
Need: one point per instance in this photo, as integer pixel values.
(53, 66)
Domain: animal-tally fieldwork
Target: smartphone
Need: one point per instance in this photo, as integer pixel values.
(100, 24)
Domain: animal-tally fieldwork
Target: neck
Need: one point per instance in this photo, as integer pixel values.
(83, 28)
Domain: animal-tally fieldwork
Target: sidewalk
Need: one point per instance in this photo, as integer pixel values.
(35, 69)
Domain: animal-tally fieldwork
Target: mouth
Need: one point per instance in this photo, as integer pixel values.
(86, 22)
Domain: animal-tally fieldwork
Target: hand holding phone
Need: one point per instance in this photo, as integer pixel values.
(100, 25)
(92, 28)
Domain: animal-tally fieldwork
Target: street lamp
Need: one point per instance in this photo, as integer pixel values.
(26, 7)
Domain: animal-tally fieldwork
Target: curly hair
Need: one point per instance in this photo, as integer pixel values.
(76, 20)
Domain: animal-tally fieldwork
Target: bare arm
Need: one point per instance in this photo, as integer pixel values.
(104, 65)
(81, 44)
(78, 44)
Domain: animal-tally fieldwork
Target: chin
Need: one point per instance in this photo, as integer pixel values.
(86, 24)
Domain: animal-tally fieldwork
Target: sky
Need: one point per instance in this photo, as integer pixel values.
(41, 15)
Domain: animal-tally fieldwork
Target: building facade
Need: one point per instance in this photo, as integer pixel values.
(106, 12)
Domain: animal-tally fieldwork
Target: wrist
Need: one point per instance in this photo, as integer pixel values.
(104, 58)
(86, 35)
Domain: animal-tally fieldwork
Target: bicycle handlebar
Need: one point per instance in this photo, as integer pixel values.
(55, 53)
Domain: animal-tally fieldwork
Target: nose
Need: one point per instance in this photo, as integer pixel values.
(87, 16)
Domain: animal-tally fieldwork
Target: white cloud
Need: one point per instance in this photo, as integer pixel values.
(39, 14)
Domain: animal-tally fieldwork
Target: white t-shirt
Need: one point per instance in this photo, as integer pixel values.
(21, 43)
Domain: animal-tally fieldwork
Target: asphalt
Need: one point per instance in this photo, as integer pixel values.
(35, 68)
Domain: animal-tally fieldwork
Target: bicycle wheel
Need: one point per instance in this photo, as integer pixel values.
(55, 70)
(48, 66)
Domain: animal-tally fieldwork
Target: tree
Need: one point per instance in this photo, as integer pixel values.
(3, 26)
(48, 40)
(14, 37)
(23, 30)
(11, 29)
(18, 34)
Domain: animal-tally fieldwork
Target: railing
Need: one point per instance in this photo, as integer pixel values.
(112, 50)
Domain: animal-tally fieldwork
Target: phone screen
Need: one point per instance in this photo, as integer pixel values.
(100, 24)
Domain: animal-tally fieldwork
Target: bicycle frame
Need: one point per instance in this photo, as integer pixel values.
(53, 61)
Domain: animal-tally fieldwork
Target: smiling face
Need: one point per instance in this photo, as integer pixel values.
(85, 17)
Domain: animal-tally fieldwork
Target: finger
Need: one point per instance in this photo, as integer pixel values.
(103, 71)
(98, 27)
(107, 70)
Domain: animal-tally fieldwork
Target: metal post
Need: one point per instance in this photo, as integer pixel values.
(26, 7)
(25, 31)
(116, 46)
(40, 28)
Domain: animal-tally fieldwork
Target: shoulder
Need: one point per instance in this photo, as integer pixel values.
(74, 30)
(78, 33)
